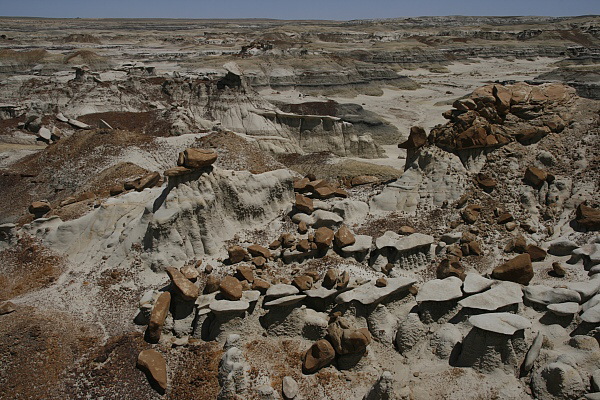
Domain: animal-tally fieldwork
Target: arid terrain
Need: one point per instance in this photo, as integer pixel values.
(405, 208)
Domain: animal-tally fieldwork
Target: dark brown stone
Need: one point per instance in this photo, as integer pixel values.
(300, 185)
(287, 240)
(343, 280)
(381, 282)
(324, 237)
(260, 285)
(535, 177)
(275, 244)
(471, 213)
(304, 204)
(303, 245)
(244, 273)
(176, 171)
(116, 189)
(475, 248)
(302, 228)
(485, 182)
(259, 262)
(518, 269)
(363, 180)
(148, 181)
(190, 272)
(536, 253)
(505, 218)
(558, 269)
(406, 230)
(330, 279)
(588, 217)
(323, 192)
(212, 284)
(303, 282)
(39, 208)
(319, 355)
(416, 138)
(344, 237)
(259, 251)
(236, 254)
(186, 289)
(448, 268)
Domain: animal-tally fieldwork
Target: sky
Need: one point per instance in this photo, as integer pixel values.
(296, 9)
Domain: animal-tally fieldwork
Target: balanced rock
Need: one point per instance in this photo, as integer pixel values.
(187, 290)
(154, 365)
(588, 217)
(503, 323)
(502, 295)
(198, 158)
(190, 272)
(545, 295)
(231, 288)
(344, 237)
(518, 269)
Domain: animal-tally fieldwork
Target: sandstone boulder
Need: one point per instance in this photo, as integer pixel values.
(304, 204)
(157, 317)
(187, 290)
(518, 269)
(319, 355)
(535, 252)
(324, 237)
(154, 365)
(344, 237)
(417, 138)
(303, 282)
(588, 217)
(198, 158)
(39, 208)
(535, 177)
(236, 254)
(231, 288)
(259, 251)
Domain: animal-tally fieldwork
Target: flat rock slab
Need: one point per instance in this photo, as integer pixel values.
(250, 296)
(281, 290)
(228, 306)
(545, 295)
(504, 323)
(153, 363)
(586, 289)
(285, 301)
(320, 293)
(403, 243)
(499, 296)
(369, 293)
(564, 309)
(440, 290)
(361, 244)
(475, 283)
(592, 315)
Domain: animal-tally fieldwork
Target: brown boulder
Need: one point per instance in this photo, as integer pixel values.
(303, 282)
(236, 254)
(300, 185)
(536, 253)
(287, 240)
(244, 273)
(259, 262)
(212, 284)
(302, 228)
(471, 213)
(518, 269)
(260, 285)
(39, 208)
(157, 317)
(505, 218)
(346, 340)
(485, 182)
(558, 269)
(6, 307)
(330, 279)
(190, 272)
(148, 181)
(303, 245)
(231, 288)
(259, 251)
(344, 237)
(416, 138)
(187, 290)
(474, 248)
(588, 217)
(154, 365)
(198, 158)
(115, 190)
(317, 183)
(535, 177)
(323, 192)
(323, 237)
(304, 204)
(319, 355)
(448, 267)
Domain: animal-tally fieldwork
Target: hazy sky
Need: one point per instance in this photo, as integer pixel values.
(296, 9)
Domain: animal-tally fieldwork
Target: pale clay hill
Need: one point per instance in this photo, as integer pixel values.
(258, 209)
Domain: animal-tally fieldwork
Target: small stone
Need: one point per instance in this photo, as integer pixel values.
(259, 262)
(303, 282)
(212, 284)
(153, 363)
(303, 245)
(535, 177)
(244, 273)
(324, 237)
(187, 290)
(287, 240)
(6, 307)
(259, 251)
(381, 282)
(236, 254)
(343, 280)
(302, 228)
(344, 237)
(289, 388)
(406, 230)
(505, 218)
(208, 269)
(475, 248)
(116, 190)
(511, 226)
(448, 268)
(330, 279)
(304, 204)
(558, 269)
(387, 268)
(471, 213)
(535, 252)
(588, 217)
(39, 208)
(190, 272)
(485, 182)
(260, 285)
(274, 245)
(231, 288)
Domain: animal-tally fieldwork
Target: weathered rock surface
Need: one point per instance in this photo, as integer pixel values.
(440, 290)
